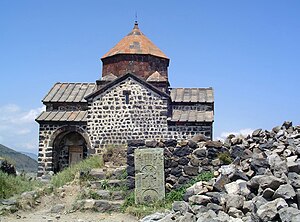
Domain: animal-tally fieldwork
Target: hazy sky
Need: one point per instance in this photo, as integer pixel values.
(248, 51)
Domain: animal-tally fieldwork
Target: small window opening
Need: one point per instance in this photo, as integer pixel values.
(126, 93)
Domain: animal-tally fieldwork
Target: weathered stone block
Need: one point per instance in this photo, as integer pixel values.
(149, 177)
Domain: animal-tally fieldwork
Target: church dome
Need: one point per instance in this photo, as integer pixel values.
(135, 43)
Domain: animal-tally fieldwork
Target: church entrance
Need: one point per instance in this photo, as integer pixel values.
(75, 154)
(69, 148)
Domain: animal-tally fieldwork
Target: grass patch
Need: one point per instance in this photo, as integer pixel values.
(69, 174)
(13, 185)
(160, 206)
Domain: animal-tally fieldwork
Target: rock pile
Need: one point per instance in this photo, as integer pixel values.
(261, 184)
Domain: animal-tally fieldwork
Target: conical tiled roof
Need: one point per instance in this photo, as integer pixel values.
(135, 43)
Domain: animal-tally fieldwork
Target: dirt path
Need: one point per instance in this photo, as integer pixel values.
(41, 212)
(43, 216)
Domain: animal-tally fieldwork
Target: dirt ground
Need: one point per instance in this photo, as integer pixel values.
(43, 216)
(41, 213)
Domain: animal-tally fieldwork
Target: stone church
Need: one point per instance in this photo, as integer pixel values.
(132, 100)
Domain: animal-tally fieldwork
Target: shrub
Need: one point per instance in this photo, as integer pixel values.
(11, 185)
(225, 157)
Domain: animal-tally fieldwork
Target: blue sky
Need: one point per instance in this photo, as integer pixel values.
(248, 51)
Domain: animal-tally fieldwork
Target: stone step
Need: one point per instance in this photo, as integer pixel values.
(110, 195)
(108, 173)
(98, 205)
(106, 184)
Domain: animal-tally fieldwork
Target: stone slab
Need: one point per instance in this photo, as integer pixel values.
(149, 175)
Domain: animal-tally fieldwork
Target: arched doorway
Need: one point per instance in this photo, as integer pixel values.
(68, 148)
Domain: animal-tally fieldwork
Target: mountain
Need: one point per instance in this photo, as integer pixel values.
(21, 161)
(31, 155)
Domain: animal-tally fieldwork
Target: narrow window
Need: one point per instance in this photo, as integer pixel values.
(126, 93)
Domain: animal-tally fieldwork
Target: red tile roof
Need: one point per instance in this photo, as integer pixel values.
(135, 43)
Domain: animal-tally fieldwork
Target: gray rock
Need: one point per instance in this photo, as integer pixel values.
(259, 201)
(294, 179)
(220, 182)
(181, 206)
(187, 217)
(268, 193)
(265, 181)
(153, 217)
(97, 173)
(235, 212)
(236, 201)
(298, 198)
(256, 132)
(208, 216)
(198, 188)
(199, 138)
(248, 206)
(150, 143)
(103, 194)
(222, 216)
(192, 144)
(214, 207)
(289, 214)
(277, 164)
(227, 169)
(213, 144)
(285, 191)
(9, 202)
(57, 208)
(293, 166)
(237, 187)
(200, 152)
(268, 211)
(191, 171)
(199, 199)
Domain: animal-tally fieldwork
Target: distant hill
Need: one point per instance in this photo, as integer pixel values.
(31, 155)
(19, 160)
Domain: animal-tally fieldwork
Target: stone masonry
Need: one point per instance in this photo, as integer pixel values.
(132, 100)
(111, 120)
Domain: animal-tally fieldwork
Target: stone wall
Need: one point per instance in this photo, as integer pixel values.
(48, 133)
(186, 131)
(113, 120)
(184, 159)
(140, 65)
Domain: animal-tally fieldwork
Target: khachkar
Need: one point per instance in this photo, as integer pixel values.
(149, 175)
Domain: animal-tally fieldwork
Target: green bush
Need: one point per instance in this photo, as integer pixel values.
(13, 185)
(69, 174)
(225, 157)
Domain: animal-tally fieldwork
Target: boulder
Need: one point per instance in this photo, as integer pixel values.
(220, 182)
(233, 212)
(181, 206)
(289, 214)
(58, 208)
(285, 191)
(236, 201)
(268, 211)
(199, 199)
(200, 152)
(294, 179)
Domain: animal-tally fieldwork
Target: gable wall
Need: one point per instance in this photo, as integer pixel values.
(111, 121)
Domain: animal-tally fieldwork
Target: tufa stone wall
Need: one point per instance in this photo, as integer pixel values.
(114, 119)
(183, 159)
(140, 65)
